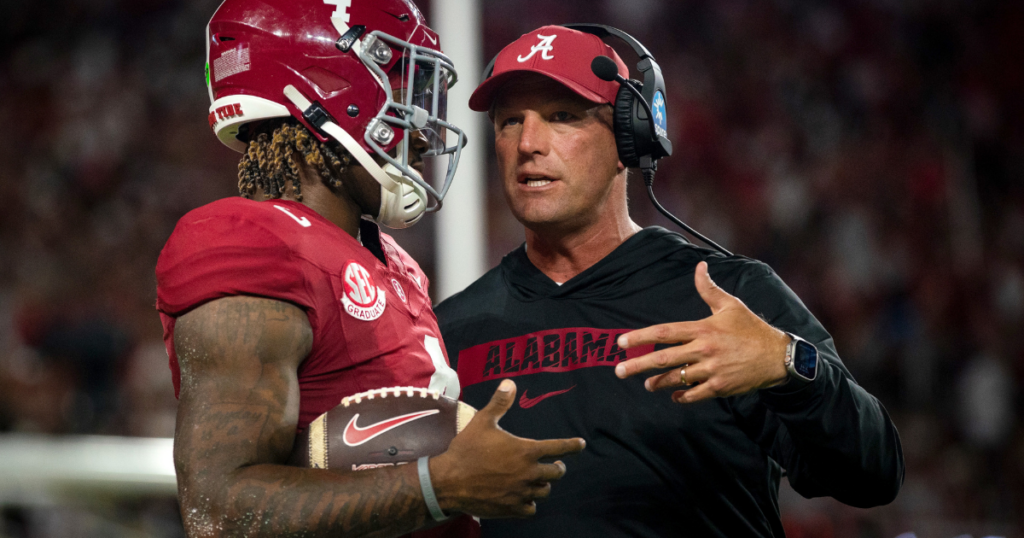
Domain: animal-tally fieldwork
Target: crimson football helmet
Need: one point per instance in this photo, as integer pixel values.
(365, 73)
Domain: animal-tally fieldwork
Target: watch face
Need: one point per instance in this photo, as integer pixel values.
(805, 359)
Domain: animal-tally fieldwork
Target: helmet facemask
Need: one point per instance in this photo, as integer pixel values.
(420, 83)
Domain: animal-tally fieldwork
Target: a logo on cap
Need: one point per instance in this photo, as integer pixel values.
(660, 122)
(544, 47)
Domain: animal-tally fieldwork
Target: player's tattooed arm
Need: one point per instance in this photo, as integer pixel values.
(239, 406)
(236, 424)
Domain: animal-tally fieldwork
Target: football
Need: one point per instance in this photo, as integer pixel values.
(381, 428)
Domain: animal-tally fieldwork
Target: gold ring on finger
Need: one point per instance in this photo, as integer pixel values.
(682, 376)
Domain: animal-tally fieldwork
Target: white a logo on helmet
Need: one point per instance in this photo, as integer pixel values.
(362, 299)
(340, 17)
(544, 48)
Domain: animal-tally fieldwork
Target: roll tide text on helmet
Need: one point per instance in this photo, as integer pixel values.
(362, 72)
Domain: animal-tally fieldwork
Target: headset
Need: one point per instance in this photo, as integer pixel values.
(641, 133)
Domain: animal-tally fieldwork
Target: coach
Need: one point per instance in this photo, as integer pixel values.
(751, 397)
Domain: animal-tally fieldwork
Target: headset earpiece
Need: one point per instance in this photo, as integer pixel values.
(633, 127)
(625, 131)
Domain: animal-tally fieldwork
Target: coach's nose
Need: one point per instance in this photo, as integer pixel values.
(535, 135)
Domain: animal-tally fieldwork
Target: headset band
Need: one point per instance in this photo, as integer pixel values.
(600, 30)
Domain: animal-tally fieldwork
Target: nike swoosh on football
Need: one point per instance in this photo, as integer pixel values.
(527, 403)
(355, 435)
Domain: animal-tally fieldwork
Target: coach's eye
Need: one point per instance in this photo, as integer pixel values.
(561, 115)
(508, 122)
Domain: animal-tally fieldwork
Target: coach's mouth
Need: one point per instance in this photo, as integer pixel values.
(535, 180)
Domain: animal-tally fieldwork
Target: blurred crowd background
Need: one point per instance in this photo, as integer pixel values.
(871, 151)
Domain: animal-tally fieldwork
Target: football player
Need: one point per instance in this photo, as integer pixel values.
(279, 303)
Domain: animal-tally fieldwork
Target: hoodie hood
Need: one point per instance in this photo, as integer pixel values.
(609, 277)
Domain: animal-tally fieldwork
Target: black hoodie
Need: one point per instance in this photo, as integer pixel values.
(653, 467)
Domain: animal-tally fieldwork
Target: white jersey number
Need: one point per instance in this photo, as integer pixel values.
(304, 222)
(444, 380)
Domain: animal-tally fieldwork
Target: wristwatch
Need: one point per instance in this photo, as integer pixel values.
(801, 359)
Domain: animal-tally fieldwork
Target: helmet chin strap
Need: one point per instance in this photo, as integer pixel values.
(402, 202)
(404, 208)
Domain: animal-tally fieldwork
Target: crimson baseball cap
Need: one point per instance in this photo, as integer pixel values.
(556, 52)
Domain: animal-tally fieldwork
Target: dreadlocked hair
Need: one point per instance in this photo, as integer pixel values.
(267, 164)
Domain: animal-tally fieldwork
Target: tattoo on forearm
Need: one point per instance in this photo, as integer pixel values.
(236, 425)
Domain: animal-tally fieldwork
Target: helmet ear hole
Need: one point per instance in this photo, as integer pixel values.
(328, 81)
(625, 137)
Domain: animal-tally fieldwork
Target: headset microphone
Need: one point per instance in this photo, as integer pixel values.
(605, 69)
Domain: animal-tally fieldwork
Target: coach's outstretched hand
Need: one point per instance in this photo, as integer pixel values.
(490, 473)
(731, 352)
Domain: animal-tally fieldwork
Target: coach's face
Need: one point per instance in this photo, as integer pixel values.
(556, 154)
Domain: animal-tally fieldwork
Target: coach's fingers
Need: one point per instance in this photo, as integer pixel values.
(695, 394)
(553, 448)
(666, 380)
(656, 360)
(694, 374)
(678, 332)
(500, 403)
(690, 353)
(716, 298)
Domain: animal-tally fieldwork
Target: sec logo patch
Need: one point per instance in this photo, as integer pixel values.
(362, 298)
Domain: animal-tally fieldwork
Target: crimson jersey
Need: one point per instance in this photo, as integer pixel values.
(372, 321)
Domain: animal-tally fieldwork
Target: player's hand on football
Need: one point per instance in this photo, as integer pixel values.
(731, 352)
(490, 473)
